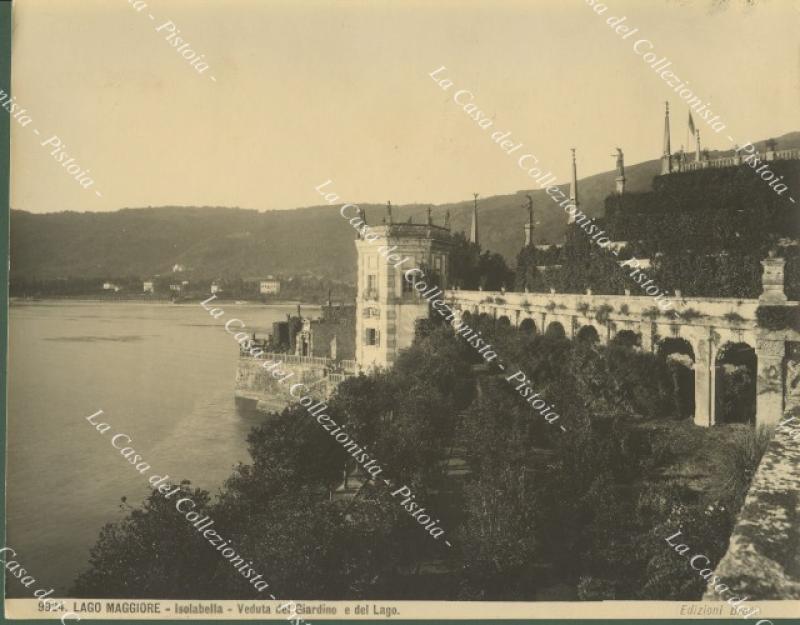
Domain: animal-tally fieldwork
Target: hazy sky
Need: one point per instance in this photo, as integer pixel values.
(307, 91)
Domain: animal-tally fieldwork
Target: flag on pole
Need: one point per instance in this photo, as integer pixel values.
(691, 125)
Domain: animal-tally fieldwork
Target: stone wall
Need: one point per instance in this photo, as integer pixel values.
(763, 558)
(338, 322)
(257, 388)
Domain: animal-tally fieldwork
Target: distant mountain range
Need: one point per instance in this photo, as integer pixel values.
(233, 242)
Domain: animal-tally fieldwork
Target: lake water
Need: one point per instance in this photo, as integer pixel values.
(162, 373)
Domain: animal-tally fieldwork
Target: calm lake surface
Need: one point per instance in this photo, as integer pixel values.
(162, 373)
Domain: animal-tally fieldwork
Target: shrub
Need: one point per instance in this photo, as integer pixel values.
(733, 317)
(596, 589)
(740, 461)
(602, 312)
(691, 313)
(651, 313)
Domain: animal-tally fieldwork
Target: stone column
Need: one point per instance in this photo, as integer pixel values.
(791, 384)
(705, 382)
(572, 327)
(771, 347)
(647, 337)
(769, 386)
(458, 316)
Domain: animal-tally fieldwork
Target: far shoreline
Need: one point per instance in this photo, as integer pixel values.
(141, 300)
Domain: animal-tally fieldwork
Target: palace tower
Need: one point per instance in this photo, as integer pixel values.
(387, 305)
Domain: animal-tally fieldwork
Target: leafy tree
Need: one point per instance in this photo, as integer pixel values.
(470, 268)
(152, 552)
(290, 452)
(499, 535)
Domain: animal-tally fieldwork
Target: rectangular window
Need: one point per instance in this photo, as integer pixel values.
(372, 336)
(407, 287)
(371, 292)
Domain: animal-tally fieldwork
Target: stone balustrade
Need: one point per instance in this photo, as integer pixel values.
(791, 154)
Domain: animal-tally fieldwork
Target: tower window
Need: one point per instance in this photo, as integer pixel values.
(372, 286)
(372, 336)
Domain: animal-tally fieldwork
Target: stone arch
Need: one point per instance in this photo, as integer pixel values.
(528, 326)
(627, 338)
(503, 320)
(679, 356)
(555, 330)
(588, 334)
(484, 323)
(675, 345)
(735, 383)
(466, 316)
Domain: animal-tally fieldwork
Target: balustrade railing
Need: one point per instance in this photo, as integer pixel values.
(291, 359)
(791, 154)
(344, 368)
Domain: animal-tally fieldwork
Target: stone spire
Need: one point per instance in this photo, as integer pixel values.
(473, 232)
(620, 179)
(666, 156)
(573, 188)
(362, 214)
(697, 144)
(529, 225)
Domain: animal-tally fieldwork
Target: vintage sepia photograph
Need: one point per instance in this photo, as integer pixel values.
(402, 310)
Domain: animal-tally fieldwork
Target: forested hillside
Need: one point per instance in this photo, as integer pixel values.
(232, 242)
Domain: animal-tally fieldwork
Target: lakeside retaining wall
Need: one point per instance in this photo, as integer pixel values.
(257, 388)
(763, 557)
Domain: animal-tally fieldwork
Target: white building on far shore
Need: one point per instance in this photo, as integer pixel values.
(270, 286)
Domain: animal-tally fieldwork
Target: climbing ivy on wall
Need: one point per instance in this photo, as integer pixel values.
(705, 232)
(708, 211)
